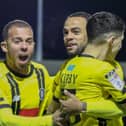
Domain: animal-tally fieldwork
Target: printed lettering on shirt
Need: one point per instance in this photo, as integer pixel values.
(115, 80)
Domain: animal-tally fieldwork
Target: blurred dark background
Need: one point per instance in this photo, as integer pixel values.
(54, 14)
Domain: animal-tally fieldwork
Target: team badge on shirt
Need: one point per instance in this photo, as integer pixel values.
(41, 93)
(115, 80)
(16, 98)
(70, 67)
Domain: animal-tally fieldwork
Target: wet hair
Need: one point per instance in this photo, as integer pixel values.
(80, 14)
(14, 23)
(104, 22)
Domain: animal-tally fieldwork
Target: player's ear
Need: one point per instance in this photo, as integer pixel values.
(111, 40)
(3, 46)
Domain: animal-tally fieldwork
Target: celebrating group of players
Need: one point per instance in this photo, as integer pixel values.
(88, 89)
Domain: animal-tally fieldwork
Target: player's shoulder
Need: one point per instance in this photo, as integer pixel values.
(63, 65)
(99, 66)
(95, 63)
(104, 68)
(103, 63)
(3, 67)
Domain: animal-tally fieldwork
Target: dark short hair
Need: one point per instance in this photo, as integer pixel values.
(104, 22)
(80, 14)
(16, 23)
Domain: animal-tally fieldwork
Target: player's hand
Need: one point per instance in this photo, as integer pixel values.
(72, 104)
(57, 119)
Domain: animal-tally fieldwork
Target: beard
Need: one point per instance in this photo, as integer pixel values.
(77, 52)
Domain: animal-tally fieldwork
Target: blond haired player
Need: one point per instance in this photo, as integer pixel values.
(24, 83)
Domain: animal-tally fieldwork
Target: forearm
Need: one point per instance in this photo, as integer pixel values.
(103, 109)
(8, 119)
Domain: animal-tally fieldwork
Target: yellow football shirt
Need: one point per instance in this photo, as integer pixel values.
(24, 94)
(91, 80)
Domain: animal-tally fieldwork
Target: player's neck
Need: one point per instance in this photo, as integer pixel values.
(99, 52)
(18, 69)
(110, 57)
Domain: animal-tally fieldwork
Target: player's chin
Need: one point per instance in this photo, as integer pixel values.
(71, 55)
